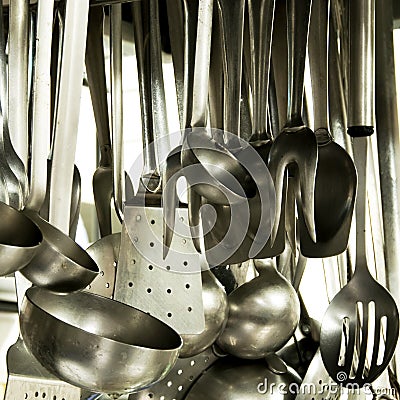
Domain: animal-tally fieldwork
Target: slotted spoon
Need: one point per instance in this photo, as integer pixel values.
(361, 325)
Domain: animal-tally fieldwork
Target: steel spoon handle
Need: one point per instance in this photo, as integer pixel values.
(95, 70)
(232, 21)
(318, 56)
(298, 18)
(149, 160)
(361, 107)
(261, 17)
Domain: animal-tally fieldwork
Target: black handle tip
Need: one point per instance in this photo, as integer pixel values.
(360, 131)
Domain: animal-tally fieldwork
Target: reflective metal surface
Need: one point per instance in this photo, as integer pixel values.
(263, 314)
(97, 343)
(215, 306)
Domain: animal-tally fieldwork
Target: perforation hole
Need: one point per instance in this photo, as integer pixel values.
(130, 284)
(151, 244)
(185, 263)
(151, 267)
(169, 383)
(187, 286)
(190, 309)
(152, 222)
(36, 394)
(168, 267)
(169, 291)
(180, 372)
(148, 290)
(169, 315)
(192, 363)
(150, 395)
(180, 388)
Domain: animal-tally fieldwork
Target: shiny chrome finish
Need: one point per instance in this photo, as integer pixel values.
(20, 240)
(18, 88)
(335, 180)
(215, 306)
(11, 189)
(263, 315)
(361, 290)
(234, 379)
(95, 70)
(60, 264)
(296, 144)
(388, 147)
(361, 106)
(97, 343)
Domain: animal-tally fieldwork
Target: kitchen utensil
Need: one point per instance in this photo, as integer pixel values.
(117, 119)
(179, 380)
(263, 314)
(333, 203)
(388, 145)
(215, 306)
(95, 71)
(175, 12)
(61, 264)
(168, 288)
(296, 144)
(20, 239)
(231, 378)
(18, 88)
(362, 295)
(223, 179)
(78, 336)
(11, 191)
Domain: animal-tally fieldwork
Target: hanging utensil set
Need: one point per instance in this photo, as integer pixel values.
(193, 297)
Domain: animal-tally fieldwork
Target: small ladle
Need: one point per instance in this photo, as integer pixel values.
(263, 314)
(61, 264)
(296, 144)
(336, 180)
(224, 178)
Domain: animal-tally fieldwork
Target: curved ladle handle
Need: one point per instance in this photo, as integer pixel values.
(41, 126)
(298, 18)
(117, 107)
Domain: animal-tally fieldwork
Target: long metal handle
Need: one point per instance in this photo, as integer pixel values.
(67, 120)
(261, 16)
(41, 124)
(232, 20)
(140, 31)
(361, 105)
(160, 119)
(298, 18)
(318, 56)
(117, 106)
(388, 147)
(18, 77)
(202, 63)
(95, 70)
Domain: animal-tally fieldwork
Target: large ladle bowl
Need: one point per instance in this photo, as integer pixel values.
(97, 343)
(20, 239)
